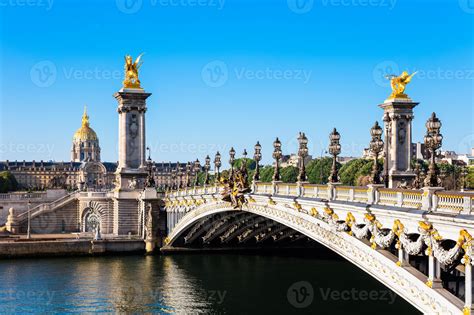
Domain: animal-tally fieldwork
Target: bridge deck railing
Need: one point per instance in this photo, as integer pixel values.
(429, 199)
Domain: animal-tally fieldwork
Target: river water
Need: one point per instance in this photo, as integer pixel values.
(200, 283)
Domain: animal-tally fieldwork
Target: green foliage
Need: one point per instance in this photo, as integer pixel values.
(266, 174)
(202, 177)
(7, 182)
(289, 174)
(250, 163)
(351, 171)
(319, 170)
(470, 178)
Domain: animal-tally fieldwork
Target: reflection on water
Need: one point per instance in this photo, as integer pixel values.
(186, 284)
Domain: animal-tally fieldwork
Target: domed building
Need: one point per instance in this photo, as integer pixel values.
(85, 171)
(85, 143)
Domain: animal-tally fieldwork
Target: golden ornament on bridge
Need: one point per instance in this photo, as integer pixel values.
(398, 85)
(131, 72)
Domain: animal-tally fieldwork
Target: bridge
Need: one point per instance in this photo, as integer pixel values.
(416, 242)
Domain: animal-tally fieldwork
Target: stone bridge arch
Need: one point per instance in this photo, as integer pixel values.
(406, 281)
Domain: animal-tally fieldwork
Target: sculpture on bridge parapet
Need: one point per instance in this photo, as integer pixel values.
(235, 188)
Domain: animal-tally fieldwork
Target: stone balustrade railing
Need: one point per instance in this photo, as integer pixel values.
(45, 207)
(17, 196)
(428, 199)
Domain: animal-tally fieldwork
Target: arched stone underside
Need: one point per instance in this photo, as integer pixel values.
(406, 281)
(240, 229)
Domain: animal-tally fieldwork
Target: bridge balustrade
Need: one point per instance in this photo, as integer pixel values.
(440, 201)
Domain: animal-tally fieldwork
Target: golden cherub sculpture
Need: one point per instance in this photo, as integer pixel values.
(131, 72)
(398, 84)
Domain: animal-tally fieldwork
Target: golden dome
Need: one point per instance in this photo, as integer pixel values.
(85, 133)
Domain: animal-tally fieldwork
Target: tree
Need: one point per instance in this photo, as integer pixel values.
(249, 162)
(266, 174)
(7, 182)
(318, 170)
(470, 178)
(352, 170)
(289, 174)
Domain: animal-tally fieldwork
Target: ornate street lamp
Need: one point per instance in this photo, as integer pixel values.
(150, 180)
(244, 160)
(302, 154)
(257, 156)
(277, 156)
(188, 174)
(197, 168)
(334, 150)
(217, 165)
(231, 161)
(463, 179)
(433, 141)
(207, 166)
(376, 146)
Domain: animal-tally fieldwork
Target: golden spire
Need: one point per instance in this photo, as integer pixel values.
(85, 132)
(85, 117)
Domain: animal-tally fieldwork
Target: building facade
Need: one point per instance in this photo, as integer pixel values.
(86, 171)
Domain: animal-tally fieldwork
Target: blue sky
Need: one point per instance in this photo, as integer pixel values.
(230, 72)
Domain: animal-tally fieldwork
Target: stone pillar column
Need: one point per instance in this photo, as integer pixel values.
(398, 155)
(131, 172)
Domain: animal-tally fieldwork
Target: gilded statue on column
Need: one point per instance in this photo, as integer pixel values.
(131, 72)
(399, 84)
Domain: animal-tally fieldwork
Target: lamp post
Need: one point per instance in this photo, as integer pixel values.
(302, 154)
(463, 179)
(376, 146)
(207, 166)
(231, 161)
(244, 160)
(28, 232)
(217, 165)
(257, 156)
(188, 174)
(334, 150)
(197, 168)
(277, 156)
(433, 141)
